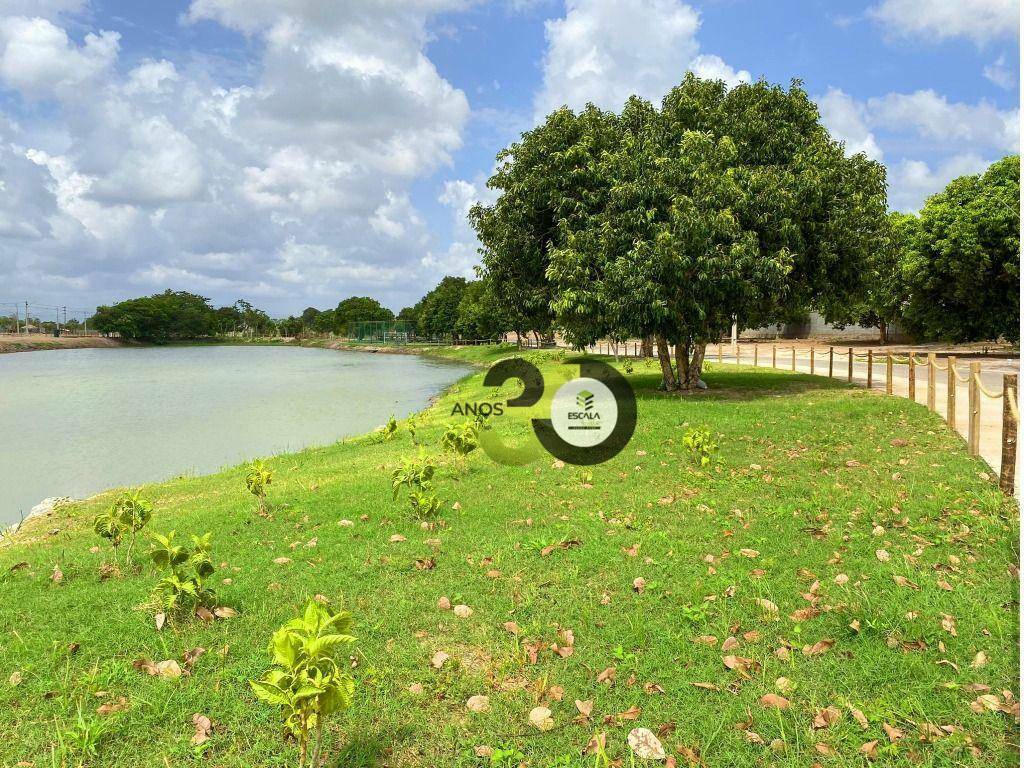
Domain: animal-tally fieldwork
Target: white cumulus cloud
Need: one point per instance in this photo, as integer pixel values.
(604, 51)
(935, 20)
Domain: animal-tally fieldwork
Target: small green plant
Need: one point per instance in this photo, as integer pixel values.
(128, 515)
(461, 439)
(628, 366)
(388, 431)
(186, 570)
(506, 757)
(701, 445)
(411, 424)
(307, 682)
(257, 478)
(414, 473)
(81, 740)
(424, 503)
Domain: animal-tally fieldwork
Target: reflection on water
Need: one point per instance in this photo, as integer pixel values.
(75, 422)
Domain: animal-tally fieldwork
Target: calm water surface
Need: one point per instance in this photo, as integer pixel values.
(75, 422)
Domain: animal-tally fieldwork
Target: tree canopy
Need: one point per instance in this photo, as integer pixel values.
(672, 221)
(163, 317)
(439, 309)
(963, 263)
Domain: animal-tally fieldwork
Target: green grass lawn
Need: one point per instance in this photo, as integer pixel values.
(842, 545)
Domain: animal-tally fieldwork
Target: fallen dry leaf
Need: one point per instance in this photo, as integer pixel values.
(203, 726)
(894, 734)
(774, 701)
(438, 659)
(478, 703)
(820, 647)
(462, 611)
(540, 718)
(112, 707)
(645, 744)
(824, 718)
(767, 605)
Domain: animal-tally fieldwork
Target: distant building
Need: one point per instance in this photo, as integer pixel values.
(816, 327)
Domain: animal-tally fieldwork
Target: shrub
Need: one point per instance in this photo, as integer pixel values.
(701, 445)
(461, 439)
(128, 515)
(424, 503)
(257, 478)
(183, 587)
(414, 473)
(307, 682)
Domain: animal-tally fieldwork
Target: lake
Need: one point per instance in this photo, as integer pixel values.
(78, 421)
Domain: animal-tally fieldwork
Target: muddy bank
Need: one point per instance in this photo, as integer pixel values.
(37, 342)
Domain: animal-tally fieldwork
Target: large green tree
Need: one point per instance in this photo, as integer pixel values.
(439, 313)
(963, 268)
(357, 308)
(544, 181)
(720, 204)
(481, 315)
(163, 317)
(886, 292)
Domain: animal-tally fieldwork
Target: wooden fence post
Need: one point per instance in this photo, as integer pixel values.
(1008, 465)
(871, 362)
(755, 354)
(912, 380)
(831, 352)
(931, 381)
(974, 410)
(773, 355)
(812, 361)
(719, 351)
(849, 364)
(888, 374)
(792, 366)
(951, 392)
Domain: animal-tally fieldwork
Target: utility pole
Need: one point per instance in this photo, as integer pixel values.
(26, 318)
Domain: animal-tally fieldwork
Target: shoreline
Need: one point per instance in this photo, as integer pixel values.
(48, 505)
(13, 343)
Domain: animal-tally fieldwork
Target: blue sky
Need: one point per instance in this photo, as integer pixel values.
(293, 152)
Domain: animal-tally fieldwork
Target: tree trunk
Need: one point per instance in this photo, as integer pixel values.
(682, 362)
(647, 347)
(668, 378)
(694, 366)
(883, 332)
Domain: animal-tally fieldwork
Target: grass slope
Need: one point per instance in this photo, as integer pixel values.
(807, 491)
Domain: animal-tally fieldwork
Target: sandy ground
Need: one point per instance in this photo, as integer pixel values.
(35, 342)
